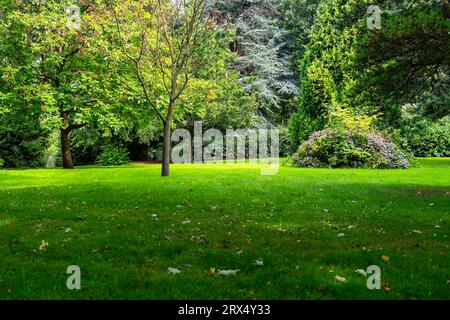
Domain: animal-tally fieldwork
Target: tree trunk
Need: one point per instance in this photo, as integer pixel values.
(166, 150)
(65, 148)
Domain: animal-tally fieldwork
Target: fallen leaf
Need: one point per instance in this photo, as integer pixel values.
(43, 246)
(173, 271)
(385, 258)
(259, 263)
(340, 279)
(228, 272)
(361, 272)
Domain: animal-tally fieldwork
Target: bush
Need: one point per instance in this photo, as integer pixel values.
(22, 140)
(286, 148)
(2, 162)
(350, 141)
(334, 148)
(113, 156)
(428, 138)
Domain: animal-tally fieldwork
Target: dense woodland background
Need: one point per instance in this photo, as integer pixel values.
(340, 93)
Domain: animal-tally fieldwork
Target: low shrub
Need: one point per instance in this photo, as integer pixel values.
(113, 156)
(333, 148)
(350, 141)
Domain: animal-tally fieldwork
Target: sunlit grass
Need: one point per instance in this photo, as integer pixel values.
(126, 226)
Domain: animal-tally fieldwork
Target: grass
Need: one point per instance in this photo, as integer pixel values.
(128, 226)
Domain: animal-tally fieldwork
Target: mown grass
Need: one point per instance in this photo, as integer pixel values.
(128, 226)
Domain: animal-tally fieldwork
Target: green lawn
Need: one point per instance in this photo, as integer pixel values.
(128, 226)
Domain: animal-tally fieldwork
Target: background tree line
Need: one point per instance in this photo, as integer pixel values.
(133, 71)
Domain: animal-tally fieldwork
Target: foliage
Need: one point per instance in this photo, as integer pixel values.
(427, 138)
(55, 67)
(324, 65)
(165, 45)
(332, 148)
(22, 140)
(373, 72)
(227, 105)
(298, 17)
(350, 141)
(78, 80)
(111, 80)
(344, 119)
(263, 58)
(424, 127)
(87, 145)
(286, 148)
(408, 56)
(113, 156)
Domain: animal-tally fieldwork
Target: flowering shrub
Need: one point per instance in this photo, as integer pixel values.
(336, 148)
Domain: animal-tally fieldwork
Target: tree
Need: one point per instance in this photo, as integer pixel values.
(407, 60)
(261, 45)
(298, 17)
(53, 61)
(371, 71)
(163, 41)
(324, 64)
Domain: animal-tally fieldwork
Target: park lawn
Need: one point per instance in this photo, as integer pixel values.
(126, 226)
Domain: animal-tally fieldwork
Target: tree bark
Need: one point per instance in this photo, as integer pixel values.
(166, 150)
(65, 148)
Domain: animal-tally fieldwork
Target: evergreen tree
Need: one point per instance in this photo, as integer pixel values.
(346, 64)
(261, 47)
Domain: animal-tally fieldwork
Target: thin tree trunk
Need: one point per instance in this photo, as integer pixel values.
(166, 149)
(65, 148)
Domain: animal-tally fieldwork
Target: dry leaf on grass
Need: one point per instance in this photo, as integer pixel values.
(228, 272)
(173, 271)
